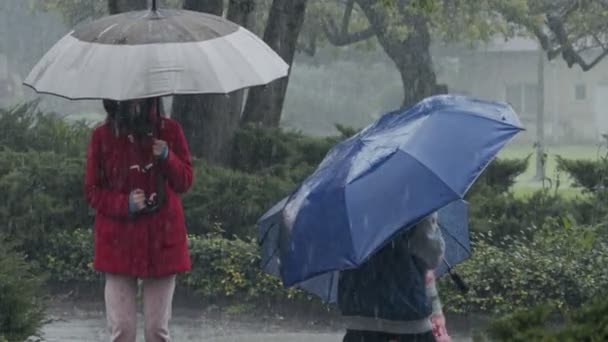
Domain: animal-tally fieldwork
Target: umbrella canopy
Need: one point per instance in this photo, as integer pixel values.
(391, 175)
(454, 222)
(152, 53)
(273, 238)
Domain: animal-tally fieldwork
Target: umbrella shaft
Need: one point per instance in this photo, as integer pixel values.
(154, 5)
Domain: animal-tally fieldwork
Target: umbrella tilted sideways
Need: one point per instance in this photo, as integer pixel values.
(381, 182)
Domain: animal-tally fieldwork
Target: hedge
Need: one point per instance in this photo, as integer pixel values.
(21, 303)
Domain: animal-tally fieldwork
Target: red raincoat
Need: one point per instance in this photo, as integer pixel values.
(143, 245)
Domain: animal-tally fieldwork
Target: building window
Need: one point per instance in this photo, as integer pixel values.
(523, 97)
(580, 92)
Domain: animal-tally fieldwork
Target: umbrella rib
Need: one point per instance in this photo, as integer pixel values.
(331, 286)
(274, 252)
(484, 117)
(454, 238)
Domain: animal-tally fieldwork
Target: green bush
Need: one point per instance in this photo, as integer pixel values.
(504, 214)
(68, 256)
(561, 262)
(222, 268)
(231, 199)
(275, 152)
(21, 305)
(549, 323)
(226, 268)
(24, 128)
(500, 176)
(41, 193)
(591, 175)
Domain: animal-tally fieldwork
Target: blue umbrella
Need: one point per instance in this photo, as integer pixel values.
(453, 220)
(400, 169)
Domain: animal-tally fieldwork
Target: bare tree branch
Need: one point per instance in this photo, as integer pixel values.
(554, 37)
(348, 12)
(587, 67)
(599, 41)
(338, 39)
(342, 37)
(569, 54)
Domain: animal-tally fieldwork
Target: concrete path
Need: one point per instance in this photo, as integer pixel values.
(74, 323)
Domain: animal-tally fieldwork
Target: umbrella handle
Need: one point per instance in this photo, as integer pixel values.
(462, 286)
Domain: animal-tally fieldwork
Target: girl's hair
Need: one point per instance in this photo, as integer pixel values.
(160, 107)
(118, 115)
(111, 108)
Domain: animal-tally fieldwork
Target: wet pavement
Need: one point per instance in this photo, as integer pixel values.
(70, 322)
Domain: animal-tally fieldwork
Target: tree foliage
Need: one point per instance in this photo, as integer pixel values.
(575, 30)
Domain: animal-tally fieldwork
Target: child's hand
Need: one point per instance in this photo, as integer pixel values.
(439, 328)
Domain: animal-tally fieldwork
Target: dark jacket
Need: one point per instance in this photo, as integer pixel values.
(391, 284)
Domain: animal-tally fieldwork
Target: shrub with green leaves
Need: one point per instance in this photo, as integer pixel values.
(24, 128)
(232, 199)
(500, 176)
(504, 214)
(561, 262)
(21, 305)
(558, 261)
(549, 323)
(271, 151)
(222, 268)
(41, 192)
(68, 256)
(230, 269)
(591, 175)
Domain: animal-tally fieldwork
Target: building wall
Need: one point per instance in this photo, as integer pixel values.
(568, 119)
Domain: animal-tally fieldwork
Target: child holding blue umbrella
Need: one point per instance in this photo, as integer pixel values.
(392, 297)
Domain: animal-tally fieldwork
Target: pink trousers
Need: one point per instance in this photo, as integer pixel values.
(121, 307)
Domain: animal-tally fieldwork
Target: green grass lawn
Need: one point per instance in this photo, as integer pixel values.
(526, 184)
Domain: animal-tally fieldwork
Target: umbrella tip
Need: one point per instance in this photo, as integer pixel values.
(154, 6)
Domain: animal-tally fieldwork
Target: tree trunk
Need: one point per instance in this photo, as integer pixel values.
(119, 6)
(210, 121)
(241, 12)
(412, 56)
(203, 117)
(208, 6)
(265, 103)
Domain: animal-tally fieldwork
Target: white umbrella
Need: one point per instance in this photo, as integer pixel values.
(152, 53)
